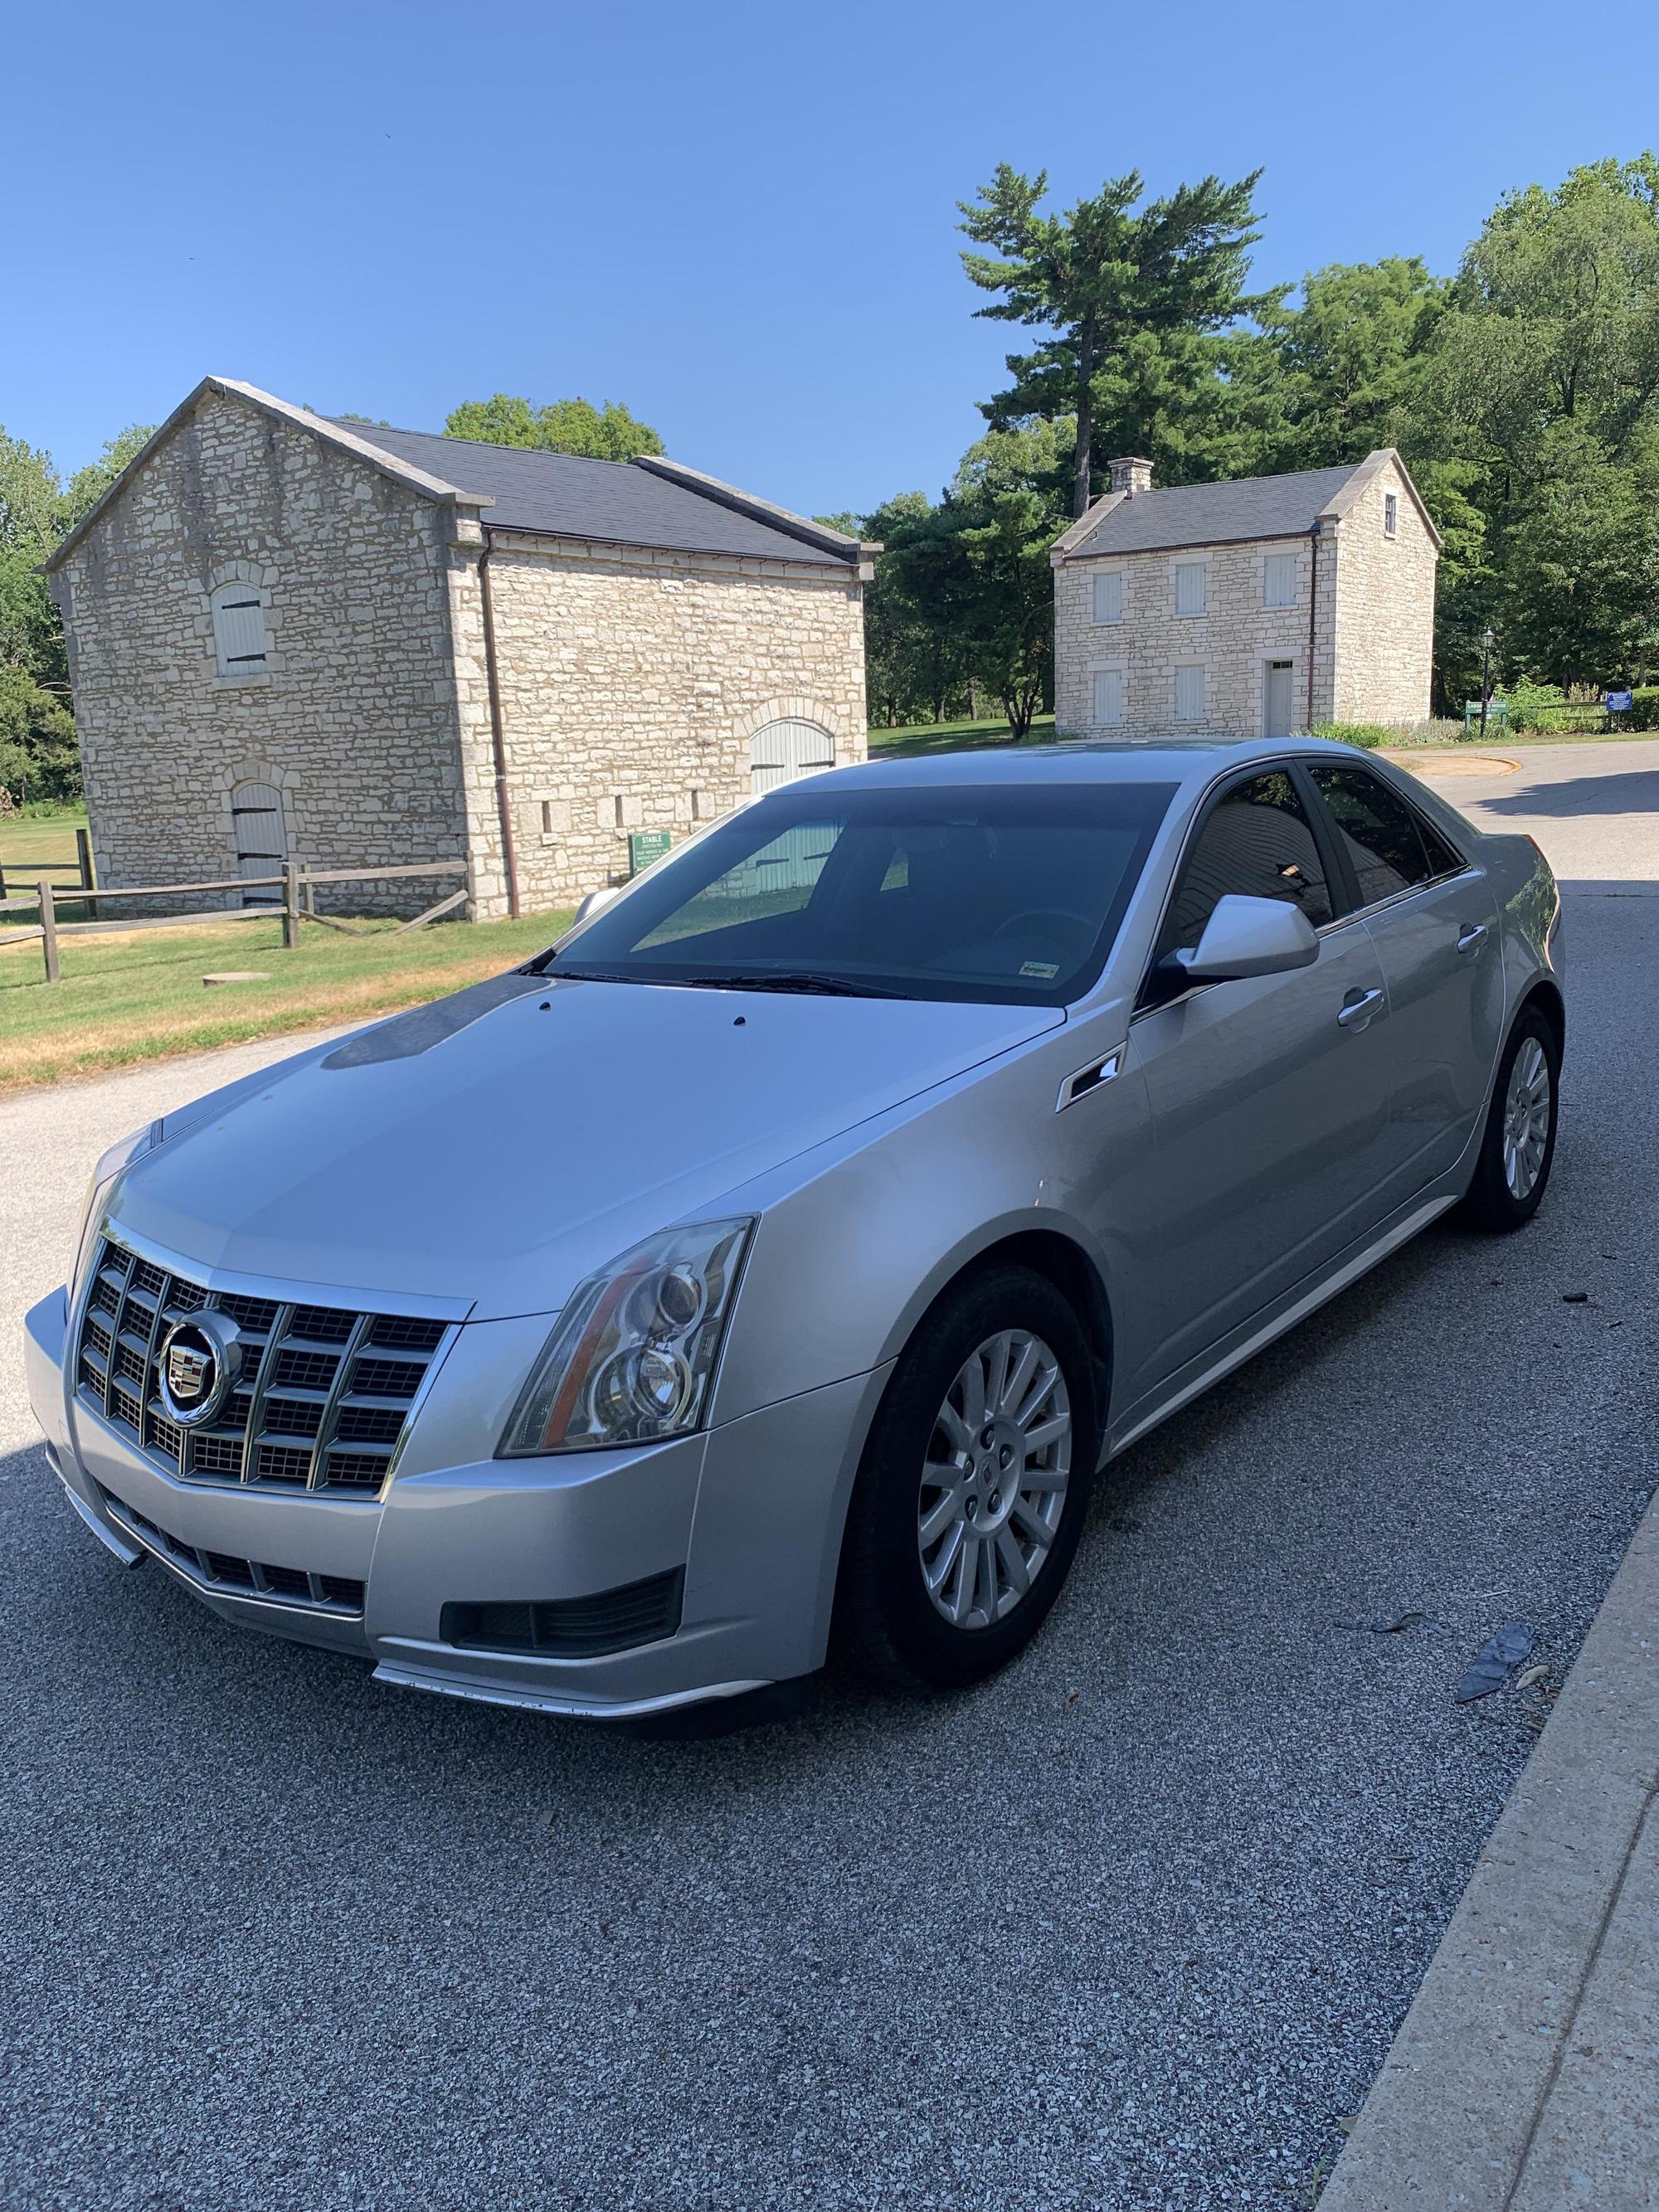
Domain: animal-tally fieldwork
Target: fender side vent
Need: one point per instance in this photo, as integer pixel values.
(571, 1627)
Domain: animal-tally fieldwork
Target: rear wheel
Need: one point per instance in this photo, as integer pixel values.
(1518, 1147)
(974, 1486)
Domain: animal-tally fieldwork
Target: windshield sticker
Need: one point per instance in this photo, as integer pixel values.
(1044, 970)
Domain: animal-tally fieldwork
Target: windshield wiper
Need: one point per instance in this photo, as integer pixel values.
(589, 975)
(827, 986)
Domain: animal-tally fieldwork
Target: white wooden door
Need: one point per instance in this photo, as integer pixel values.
(1277, 705)
(783, 751)
(261, 841)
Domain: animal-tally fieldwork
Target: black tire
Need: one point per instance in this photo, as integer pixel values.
(887, 1623)
(1493, 1202)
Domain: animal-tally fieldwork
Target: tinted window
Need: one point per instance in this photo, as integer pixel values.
(1256, 841)
(1009, 893)
(1388, 850)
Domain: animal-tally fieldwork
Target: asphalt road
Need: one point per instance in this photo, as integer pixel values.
(1130, 1928)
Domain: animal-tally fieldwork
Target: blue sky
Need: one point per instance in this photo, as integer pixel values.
(737, 219)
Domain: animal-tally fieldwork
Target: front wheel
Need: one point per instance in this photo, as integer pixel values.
(974, 1486)
(1518, 1147)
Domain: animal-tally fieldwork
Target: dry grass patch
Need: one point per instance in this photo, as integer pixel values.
(136, 996)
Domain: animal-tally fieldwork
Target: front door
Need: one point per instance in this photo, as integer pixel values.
(1277, 703)
(1268, 1097)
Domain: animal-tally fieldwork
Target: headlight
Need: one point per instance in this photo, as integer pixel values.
(633, 1354)
(114, 1163)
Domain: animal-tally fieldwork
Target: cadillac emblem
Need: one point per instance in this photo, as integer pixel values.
(200, 1359)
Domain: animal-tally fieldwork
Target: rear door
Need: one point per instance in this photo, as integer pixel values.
(1268, 1098)
(1432, 915)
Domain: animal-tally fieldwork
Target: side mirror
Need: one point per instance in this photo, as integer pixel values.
(596, 902)
(1247, 936)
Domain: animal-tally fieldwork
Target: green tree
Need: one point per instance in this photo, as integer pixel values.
(36, 733)
(1137, 299)
(1336, 376)
(1541, 393)
(608, 433)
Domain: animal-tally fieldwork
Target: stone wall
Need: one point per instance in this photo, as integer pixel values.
(352, 718)
(1384, 607)
(1233, 639)
(632, 682)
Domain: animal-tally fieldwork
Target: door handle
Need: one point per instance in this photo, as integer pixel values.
(1358, 1009)
(1472, 937)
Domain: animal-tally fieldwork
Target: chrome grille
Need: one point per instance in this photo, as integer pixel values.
(322, 1401)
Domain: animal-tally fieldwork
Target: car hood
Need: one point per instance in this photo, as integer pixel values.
(499, 1145)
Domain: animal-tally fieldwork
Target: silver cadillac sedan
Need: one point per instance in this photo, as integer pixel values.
(768, 1268)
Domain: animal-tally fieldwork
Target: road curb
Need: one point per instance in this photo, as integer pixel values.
(1488, 2101)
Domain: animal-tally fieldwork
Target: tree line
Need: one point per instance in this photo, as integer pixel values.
(1522, 391)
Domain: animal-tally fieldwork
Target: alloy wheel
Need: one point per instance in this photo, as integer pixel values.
(994, 1480)
(1526, 1119)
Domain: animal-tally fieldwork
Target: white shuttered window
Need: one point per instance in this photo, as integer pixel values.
(239, 630)
(1108, 597)
(1189, 695)
(1109, 697)
(1279, 581)
(1190, 587)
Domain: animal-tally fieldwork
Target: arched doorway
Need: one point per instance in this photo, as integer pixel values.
(787, 749)
(255, 813)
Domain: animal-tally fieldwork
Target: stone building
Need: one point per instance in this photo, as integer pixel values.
(1256, 608)
(294, 637)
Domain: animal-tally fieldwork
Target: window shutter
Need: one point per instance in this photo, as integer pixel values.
(1108, 597)
(1109, 697)
(1279, 581)
(239, 630)
(1190, 587)
(1189, 695)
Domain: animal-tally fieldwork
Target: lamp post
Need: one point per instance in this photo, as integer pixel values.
(1486, 643)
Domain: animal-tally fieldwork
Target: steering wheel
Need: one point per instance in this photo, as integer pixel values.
(1035, 915)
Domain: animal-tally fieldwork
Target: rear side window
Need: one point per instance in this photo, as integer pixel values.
(1388, 849)
(1257, 841)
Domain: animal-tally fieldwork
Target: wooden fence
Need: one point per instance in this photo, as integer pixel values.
(297, 906)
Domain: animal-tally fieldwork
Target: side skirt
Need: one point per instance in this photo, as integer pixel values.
(1263, 1334)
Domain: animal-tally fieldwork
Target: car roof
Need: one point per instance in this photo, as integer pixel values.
(1089, 760)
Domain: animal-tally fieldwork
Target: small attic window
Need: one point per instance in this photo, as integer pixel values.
(1390, 514)
(238, 630)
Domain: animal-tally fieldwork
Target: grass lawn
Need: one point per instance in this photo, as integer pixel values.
(127, 998)
(32, 845)
(950, 738)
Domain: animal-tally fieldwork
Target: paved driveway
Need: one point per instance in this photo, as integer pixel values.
(1131, 1927)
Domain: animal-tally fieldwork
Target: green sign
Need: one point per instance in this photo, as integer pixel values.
(644, 846)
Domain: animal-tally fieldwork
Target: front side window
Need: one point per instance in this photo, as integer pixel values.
(1010, 894)
(1257, 842)
(238, 630)
(1279, 581)
(1189, 695)
(1388, 847)
(1108, 596)
(1190, 587)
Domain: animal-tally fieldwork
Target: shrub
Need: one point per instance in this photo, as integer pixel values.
(1366, 734)
(1644, 710)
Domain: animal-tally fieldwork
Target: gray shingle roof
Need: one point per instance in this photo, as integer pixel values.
(1214, 513)
(561, 495)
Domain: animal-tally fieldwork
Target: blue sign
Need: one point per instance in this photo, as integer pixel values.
(1620, 702)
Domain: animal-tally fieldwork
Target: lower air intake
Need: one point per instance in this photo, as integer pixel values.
(573, 1627)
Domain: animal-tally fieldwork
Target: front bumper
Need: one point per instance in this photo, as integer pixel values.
(751, 1514)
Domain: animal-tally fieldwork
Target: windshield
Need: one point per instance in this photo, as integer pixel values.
(1012, 894)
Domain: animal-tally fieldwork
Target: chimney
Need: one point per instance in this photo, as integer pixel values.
(1131, 475)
